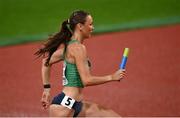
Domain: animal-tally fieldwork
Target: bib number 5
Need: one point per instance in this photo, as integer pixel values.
(68, 102)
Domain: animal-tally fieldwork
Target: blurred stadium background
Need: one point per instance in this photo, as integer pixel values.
(31, 20)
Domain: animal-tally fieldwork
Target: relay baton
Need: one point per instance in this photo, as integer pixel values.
(124, 59)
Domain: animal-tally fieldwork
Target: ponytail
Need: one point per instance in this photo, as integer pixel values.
(62, 37)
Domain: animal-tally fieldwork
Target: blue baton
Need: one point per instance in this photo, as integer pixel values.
(124, 59)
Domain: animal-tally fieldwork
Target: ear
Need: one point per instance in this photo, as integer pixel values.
(80, 26)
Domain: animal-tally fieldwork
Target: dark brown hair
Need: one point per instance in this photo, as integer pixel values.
(63, 36)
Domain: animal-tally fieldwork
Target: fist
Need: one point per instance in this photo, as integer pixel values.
(118, 75)
(45, 100)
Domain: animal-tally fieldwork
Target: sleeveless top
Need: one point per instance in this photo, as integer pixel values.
(71, 75)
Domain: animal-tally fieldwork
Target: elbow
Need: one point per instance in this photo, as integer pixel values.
(87, 81)
(44, 62)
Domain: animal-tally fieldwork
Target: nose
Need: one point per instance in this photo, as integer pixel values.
(92, 27)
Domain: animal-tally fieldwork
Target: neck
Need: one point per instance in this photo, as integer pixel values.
(77, 36)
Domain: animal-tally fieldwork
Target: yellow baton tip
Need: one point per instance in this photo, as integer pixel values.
(126, 52)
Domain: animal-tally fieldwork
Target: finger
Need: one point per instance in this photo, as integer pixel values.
(44, 95)
(123, 72)
(45, 105)
(123, 69)
(122, 75)
(43, 100)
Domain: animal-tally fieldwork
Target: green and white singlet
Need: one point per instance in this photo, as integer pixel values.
(71, 75)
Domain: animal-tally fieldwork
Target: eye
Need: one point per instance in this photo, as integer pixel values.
(91, 24)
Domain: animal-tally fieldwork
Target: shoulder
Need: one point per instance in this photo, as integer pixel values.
(56, 57)
(77, 50)
(58, 53)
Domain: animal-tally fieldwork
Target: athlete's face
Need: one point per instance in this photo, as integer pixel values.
(87, 28)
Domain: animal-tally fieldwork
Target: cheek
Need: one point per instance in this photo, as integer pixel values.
(90, 29)
(87, 30)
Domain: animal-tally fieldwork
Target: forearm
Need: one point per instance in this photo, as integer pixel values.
(96, 80)
(45, 74)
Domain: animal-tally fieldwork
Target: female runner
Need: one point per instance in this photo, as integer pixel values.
(67, 46)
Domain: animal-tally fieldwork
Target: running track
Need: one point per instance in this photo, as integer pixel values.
(151, 87)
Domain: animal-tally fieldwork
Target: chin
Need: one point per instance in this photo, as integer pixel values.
(86, 37)
(89, 35)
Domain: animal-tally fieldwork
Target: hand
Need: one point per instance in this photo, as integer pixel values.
(45, 100)
(118, 75)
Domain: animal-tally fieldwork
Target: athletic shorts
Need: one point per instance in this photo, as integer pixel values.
(68, 102)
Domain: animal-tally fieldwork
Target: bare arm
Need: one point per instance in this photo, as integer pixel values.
(45, 71)
(80, 56)
(56, 57)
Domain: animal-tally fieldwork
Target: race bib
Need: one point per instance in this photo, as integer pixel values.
(68, 102)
